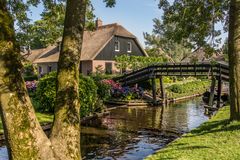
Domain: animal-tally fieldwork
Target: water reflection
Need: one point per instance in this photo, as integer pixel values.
(133, 133)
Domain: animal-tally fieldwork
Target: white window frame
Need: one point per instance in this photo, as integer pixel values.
(130, 44)
(118, 44)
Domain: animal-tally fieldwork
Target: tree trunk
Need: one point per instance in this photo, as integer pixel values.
(65, 134)
(234, 58)
(24, 135)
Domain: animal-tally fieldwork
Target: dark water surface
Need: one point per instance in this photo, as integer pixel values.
(136, 132)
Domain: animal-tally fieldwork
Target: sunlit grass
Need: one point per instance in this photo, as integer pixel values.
(43, 118)
(217, 139)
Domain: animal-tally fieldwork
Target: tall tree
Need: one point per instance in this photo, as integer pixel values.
(49, 28)
(24, 135)
(65, 134)
(158, 44)
(234, 58)
(196, 22)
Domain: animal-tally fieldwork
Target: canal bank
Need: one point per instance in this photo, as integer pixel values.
(216, 139)
(136, 132)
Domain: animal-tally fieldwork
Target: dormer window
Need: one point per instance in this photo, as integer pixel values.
(129, 47)
(117, 46)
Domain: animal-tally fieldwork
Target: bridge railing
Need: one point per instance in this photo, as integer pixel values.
(177, 69)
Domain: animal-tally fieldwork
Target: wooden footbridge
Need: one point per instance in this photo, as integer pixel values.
(217, 71)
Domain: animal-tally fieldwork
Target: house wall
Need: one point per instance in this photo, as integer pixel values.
(109, 53)
(45, 66)
(102, 63)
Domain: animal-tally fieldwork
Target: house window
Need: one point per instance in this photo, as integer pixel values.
(129, 47)
(117, 46)
(108, 68)
(49, 69)
(40, 69)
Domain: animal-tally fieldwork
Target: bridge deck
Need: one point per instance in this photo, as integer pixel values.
(218, 70)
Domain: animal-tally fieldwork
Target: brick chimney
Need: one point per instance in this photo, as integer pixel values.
(99, 23)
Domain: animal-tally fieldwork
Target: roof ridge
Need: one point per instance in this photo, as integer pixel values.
(107, 25)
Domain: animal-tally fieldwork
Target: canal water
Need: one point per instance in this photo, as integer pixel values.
(136, 132)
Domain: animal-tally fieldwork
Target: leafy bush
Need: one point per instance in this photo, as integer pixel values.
(31, 78)
(125, 93)
(87, 95)
(46, 94)
(30, 73)
(103, 90)
(29, 69)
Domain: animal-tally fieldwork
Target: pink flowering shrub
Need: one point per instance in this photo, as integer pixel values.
(118, 91)
(31, 86)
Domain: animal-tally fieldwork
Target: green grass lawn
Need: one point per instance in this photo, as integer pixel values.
(217, 139)
(188, 88)
(43, 118)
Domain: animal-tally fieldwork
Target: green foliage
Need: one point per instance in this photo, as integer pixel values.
(136, 62)
(45, 96)
(87, 95)
(30, 78)
(103, 89)
(217, 139)
(46, 93)
(194, 21)
(110, 3)
(189, 88)
(49, 28)
(167, 79)
(158, 44)
(29, 69)
(30, 73)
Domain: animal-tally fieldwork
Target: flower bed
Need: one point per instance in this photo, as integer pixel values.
(122, 92)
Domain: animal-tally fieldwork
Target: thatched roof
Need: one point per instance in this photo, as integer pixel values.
(93, 43)
(200, 56)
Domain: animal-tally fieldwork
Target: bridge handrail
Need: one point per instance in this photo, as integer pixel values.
(218, 69)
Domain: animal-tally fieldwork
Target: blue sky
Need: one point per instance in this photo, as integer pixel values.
(134, 15)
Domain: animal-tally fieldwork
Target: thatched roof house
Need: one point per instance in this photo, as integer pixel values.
(200, 56)
(99, 49)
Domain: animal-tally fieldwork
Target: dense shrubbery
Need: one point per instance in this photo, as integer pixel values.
(30, 73)
(125, 93)
(93, 91)
(103, 90)
(46, 93)
(30, 78)
(44, 98)
(88, 96)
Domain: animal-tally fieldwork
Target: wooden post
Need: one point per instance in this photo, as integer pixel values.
(219, 93)
(212, 89)
(162, 89)
(154, 91)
